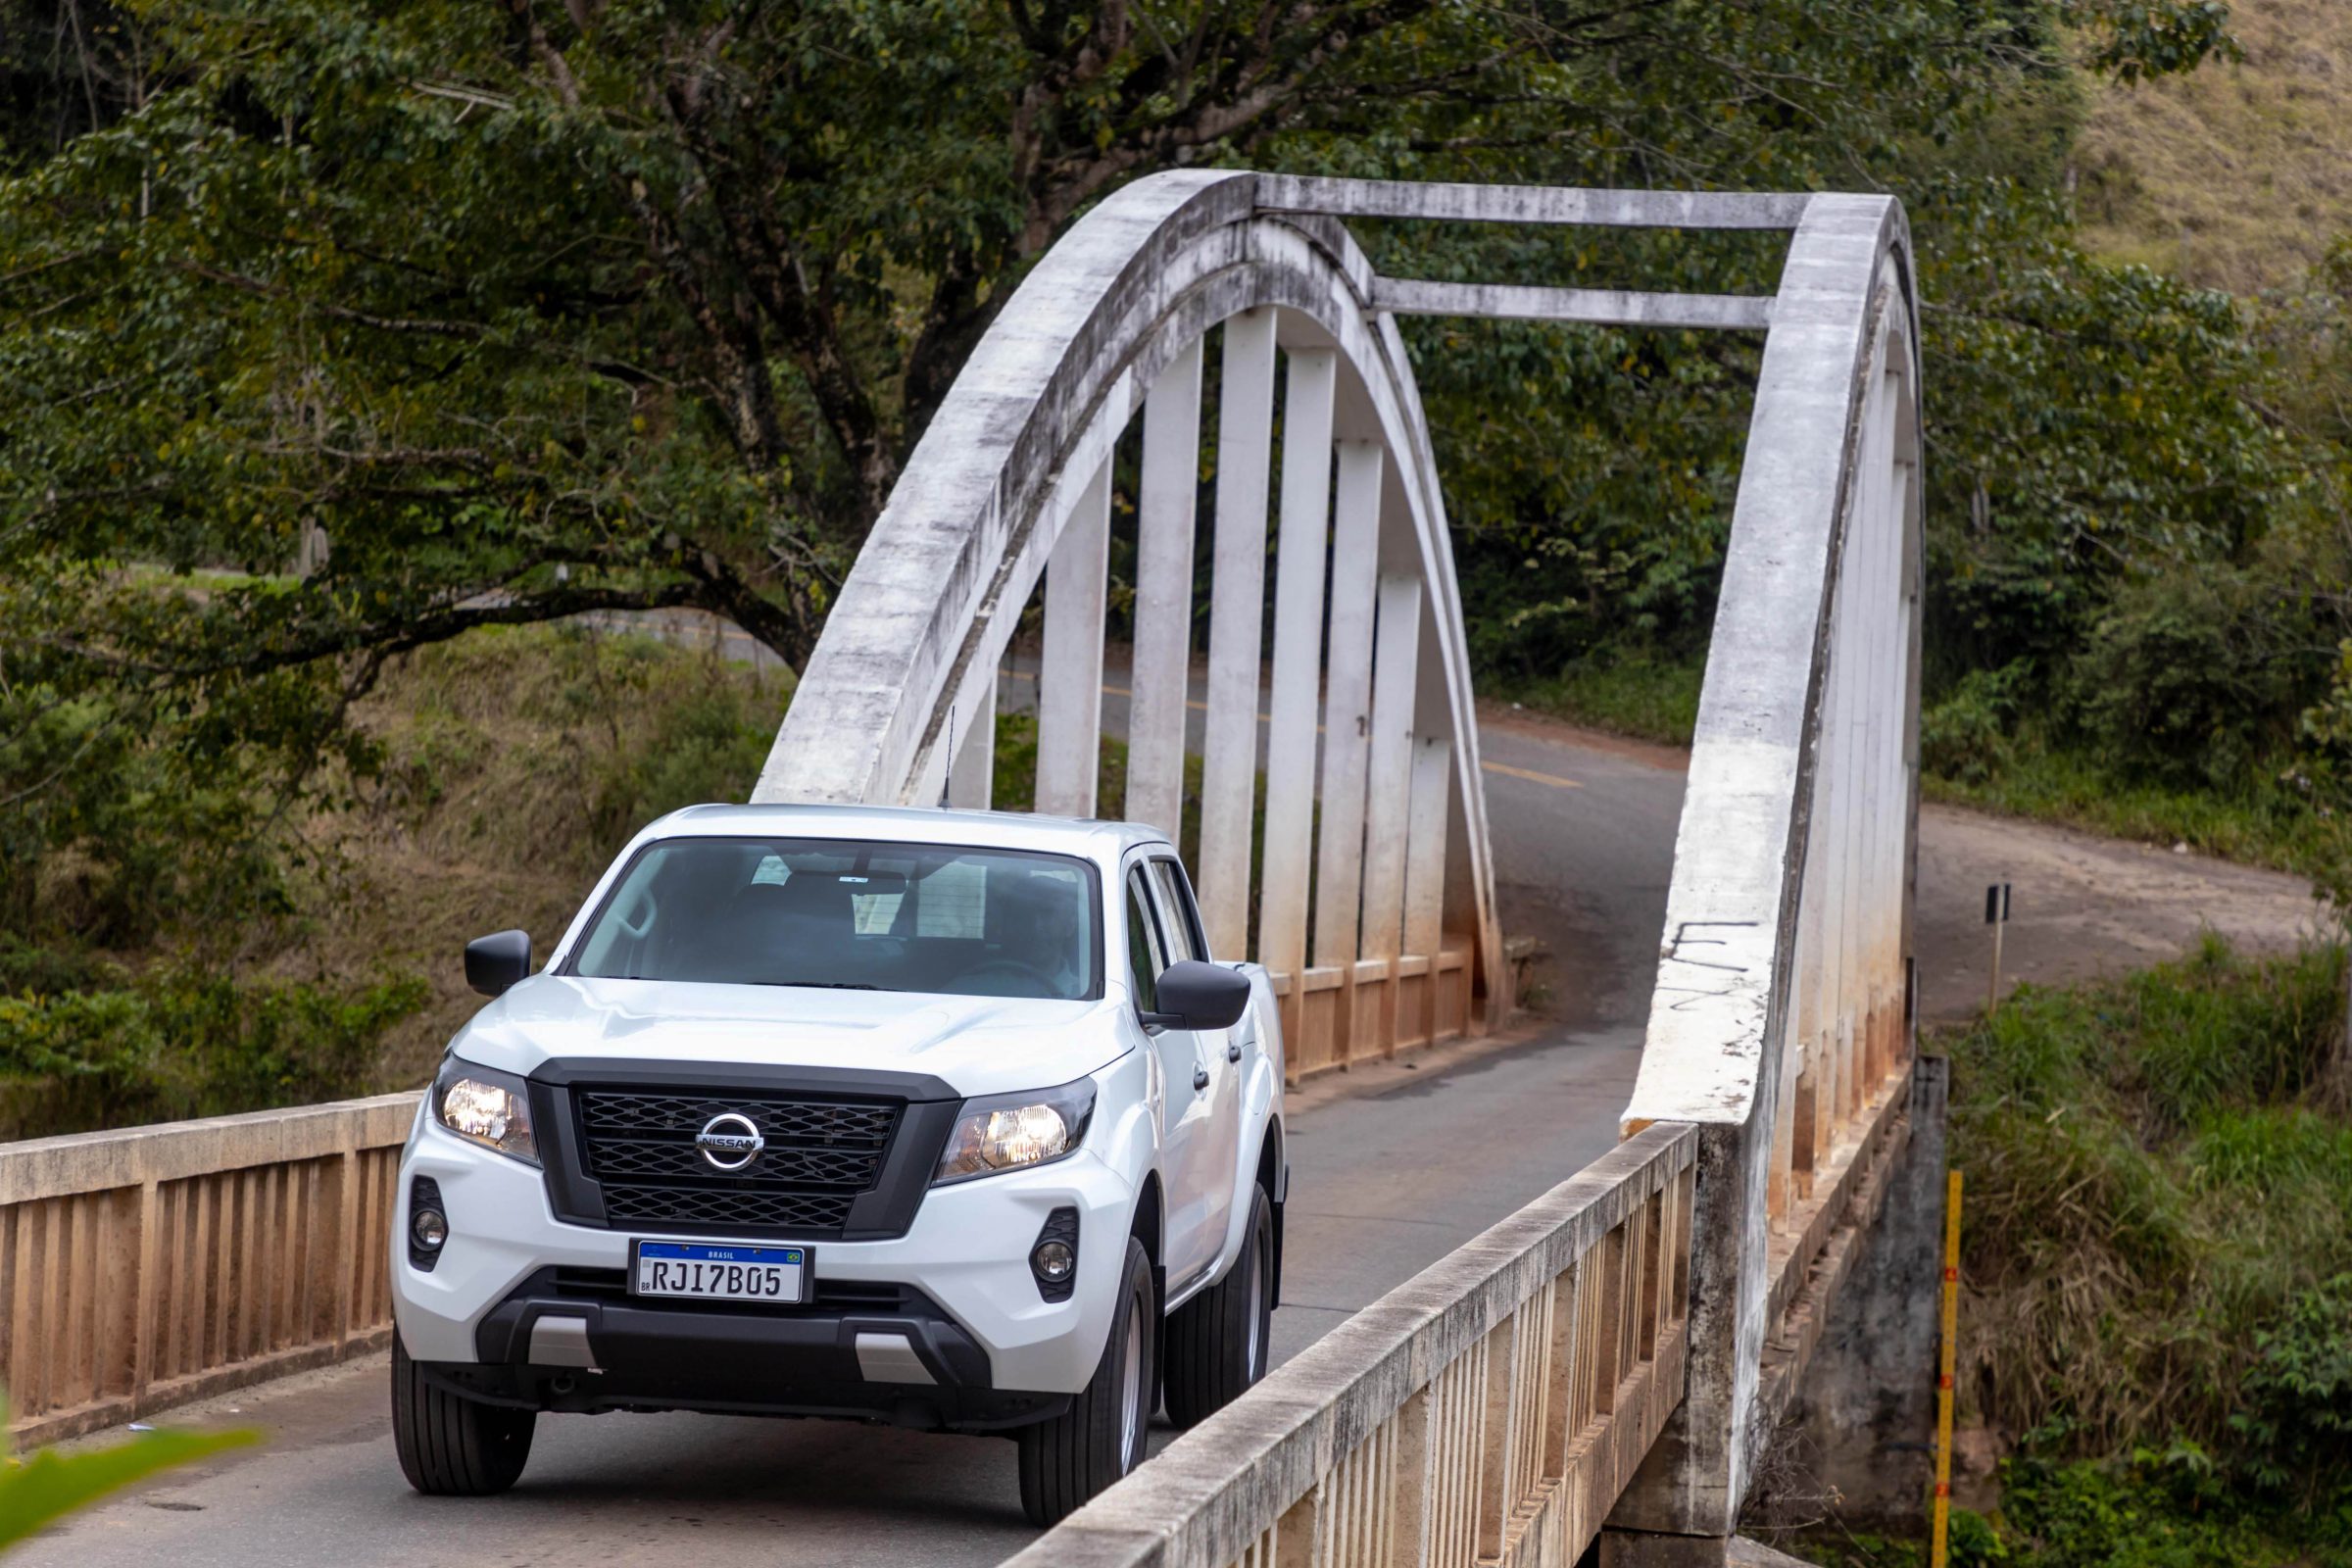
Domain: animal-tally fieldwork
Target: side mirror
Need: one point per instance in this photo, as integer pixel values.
(1199, 996)
(499, 961)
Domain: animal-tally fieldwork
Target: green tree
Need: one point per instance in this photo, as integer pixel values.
(526, 309)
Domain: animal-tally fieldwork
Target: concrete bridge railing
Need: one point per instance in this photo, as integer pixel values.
(1488, 1410)
(152, 1265)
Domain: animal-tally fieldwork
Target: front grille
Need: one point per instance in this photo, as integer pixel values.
(687, 1206)
(821, 1155)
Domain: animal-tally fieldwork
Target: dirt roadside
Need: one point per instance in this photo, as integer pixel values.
(2081, 906)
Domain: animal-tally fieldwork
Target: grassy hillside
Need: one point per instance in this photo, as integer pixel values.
(515, 764)
(509, 765)
(2237, 176)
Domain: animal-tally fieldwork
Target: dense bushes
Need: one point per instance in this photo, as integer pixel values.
(494, 777)
(2159, 1252)
(2153, 1177)
(2156, 1319)
(2198, 678)
(181, 1043)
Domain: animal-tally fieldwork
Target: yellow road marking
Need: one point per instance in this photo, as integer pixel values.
(1532, 776)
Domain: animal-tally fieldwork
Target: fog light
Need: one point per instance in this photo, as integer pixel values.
(1053, 1255)
(428, 1223)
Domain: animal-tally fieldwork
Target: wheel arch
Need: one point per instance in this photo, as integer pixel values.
(1273, 1174)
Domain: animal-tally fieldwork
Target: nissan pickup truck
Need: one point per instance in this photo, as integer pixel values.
(947, 1119)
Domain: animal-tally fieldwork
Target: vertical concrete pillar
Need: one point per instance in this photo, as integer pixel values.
(1694, 1479)
(1387, 792)
(1236, 614)
(1348, 702)
(971, 776)
(1069, 682)
(1297, 669)
(1425, 845)
(1163, 597)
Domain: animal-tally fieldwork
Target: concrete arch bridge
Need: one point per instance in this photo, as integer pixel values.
(1608, 1362)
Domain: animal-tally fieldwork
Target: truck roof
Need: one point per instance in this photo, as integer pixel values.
(909, 824)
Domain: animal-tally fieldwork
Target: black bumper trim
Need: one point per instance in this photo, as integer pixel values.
(753, 1361)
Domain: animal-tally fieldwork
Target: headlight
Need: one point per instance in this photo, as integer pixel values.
(1013, 1132)
(488, 1107)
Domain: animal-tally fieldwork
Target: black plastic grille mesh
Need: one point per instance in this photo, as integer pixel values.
(616, 1160)
(832, 1123)
(687, 1206)
(821, 1155)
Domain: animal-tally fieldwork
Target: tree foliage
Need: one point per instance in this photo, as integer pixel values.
(487, 313)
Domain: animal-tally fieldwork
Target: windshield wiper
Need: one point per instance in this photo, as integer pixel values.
(828, 984)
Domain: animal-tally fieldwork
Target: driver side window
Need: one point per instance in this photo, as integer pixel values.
(1146, 956)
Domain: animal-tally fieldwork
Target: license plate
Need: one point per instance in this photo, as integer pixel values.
(719, 1273)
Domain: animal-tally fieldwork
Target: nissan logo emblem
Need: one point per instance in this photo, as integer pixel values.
(730, 1142)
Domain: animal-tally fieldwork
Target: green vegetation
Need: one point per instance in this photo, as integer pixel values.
(37, 1491)
(335, 338)
(496, 776)
(1635, 693)
(2158, 1257)
(2159, 1171)
(167, 1045)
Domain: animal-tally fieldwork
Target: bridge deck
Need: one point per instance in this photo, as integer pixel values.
(1394, 1167)
(1391, 1171)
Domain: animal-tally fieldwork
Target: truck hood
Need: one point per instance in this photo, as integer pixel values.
(975, 1045)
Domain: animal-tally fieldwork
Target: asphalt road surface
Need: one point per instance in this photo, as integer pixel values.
(1392, 1166)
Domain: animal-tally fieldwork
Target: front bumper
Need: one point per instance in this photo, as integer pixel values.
(981, 1343)
(574, 1339)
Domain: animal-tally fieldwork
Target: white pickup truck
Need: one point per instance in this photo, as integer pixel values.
(941, 1118)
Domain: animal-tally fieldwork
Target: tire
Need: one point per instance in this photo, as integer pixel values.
(1216, 1342)
(453, 1447)
(1067, 1459)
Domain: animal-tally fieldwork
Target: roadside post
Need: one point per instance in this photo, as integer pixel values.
(1997, 915)
(1940, 1534)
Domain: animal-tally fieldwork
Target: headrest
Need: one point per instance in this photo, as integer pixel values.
(813, 895)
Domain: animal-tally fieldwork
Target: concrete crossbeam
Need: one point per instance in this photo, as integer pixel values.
(1604, 307)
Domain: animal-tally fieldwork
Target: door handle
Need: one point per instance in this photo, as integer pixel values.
(1233, 1050)
(1200, 1079)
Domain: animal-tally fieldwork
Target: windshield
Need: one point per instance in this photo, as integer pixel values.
(848, 913)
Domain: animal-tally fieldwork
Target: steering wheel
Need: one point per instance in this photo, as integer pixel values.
(1015, 969)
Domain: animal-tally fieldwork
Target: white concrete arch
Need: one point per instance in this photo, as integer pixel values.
(1011, 481)
(1781, 1024)
(1782, 1021)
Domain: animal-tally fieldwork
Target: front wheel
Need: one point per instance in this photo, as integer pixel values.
(1216, 1342)
(1067, 1459)
(453, 1447)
